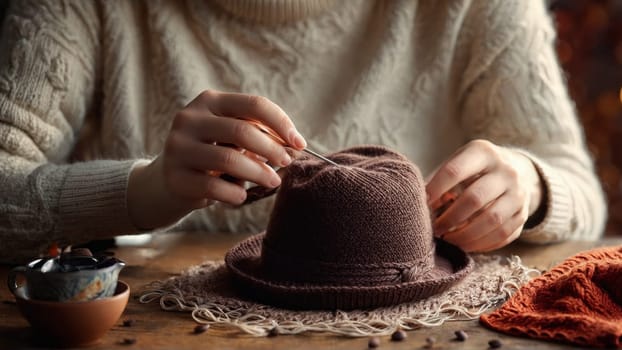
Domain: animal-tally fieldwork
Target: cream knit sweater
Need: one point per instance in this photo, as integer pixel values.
(87, 88)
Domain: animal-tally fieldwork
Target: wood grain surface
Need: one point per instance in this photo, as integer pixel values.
(168, 254)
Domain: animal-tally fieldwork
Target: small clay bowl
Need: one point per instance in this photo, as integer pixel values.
(73, 323)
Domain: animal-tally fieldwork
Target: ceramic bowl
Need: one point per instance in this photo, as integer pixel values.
(77, 323)
(92, 279)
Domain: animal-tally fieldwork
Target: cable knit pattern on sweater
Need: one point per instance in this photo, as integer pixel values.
(87, 88)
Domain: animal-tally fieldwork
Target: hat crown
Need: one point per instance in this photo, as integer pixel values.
(352, 223)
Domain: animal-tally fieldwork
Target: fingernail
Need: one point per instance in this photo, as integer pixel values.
(275, 181)
(261, 159)
(297, 139)
(287, 160)
(300, 141)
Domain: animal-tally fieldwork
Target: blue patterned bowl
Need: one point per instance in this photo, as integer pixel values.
(80, 284)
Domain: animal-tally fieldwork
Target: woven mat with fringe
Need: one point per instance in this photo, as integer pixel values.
(206, 291)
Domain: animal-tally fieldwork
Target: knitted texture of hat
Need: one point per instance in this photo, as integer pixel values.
(363, 222)
(349, 236)
(578, 302)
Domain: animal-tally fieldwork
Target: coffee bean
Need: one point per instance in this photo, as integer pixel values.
(273, 332)
(129, 341)
(461, 335)
(398, 335)
(429, 342)
(373, 342)
(201, 328)
(128, 323)
(495, 344)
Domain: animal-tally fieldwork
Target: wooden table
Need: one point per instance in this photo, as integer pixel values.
(168, 254)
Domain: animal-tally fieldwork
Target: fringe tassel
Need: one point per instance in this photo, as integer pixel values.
(205, 291)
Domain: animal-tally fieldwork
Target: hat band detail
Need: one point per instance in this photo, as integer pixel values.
(280, 266)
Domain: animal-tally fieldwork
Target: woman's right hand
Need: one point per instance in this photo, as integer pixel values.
(204, 141)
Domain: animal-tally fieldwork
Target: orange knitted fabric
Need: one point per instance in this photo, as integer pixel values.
(578, 302)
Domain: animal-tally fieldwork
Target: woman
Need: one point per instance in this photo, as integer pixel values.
(113, 113)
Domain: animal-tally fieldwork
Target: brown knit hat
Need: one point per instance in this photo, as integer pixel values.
(578, 302)
(352, 236)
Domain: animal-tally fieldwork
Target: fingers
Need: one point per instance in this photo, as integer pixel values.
(208, 138)
(204, 157)
(475, 197)
(253, 107)
(194, 184)
(237, 132)
(500, 243)
(500, 237)
(499, 186)
(469, 161)
(491, 228)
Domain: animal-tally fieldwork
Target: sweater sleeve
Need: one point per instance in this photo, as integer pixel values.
(513, 94)
(48, 69)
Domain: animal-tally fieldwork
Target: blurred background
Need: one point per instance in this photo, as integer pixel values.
(589, 47)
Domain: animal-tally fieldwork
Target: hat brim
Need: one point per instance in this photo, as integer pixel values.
(244, 263)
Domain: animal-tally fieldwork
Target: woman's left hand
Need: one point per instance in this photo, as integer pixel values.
(501, 188)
